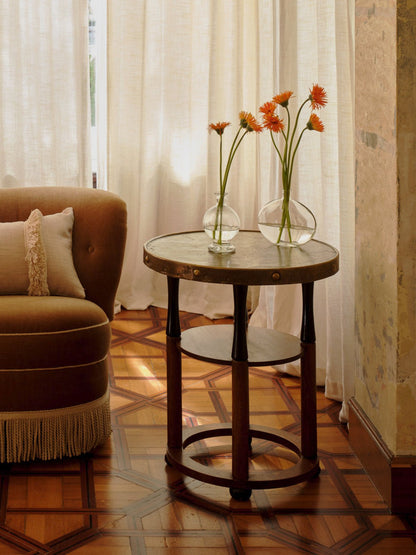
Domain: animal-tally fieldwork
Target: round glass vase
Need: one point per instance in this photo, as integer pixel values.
(286, 223)
(221, 223)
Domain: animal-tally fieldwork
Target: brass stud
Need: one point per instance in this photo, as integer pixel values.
(276, 276)
(196, 272)
(146, 258)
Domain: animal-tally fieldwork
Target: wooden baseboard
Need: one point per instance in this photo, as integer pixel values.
(393, 476)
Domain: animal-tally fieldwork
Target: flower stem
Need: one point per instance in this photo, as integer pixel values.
(276, 147)
(287, 169)
(220, 161)
(218, 220)
(285, 155)
(223, 182)
(285, 221)
(294, 154)
(296, 126)
(233, 151)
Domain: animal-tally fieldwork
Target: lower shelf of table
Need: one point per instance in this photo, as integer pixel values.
(299, 472)
(265, 346)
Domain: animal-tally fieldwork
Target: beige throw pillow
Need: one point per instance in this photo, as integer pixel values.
(36, 256)
(14, 278)
(63, 279)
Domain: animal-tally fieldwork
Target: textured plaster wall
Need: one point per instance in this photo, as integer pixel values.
(406, 172)
(385, 215)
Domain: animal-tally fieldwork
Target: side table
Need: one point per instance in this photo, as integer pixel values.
(255, 262)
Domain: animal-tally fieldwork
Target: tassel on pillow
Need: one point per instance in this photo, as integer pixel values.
(36, 255)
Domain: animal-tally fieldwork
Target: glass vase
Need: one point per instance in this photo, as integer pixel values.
(221, 224)
(286, 222)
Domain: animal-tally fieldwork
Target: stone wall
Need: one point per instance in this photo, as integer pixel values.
(385, 218)
(406, 259)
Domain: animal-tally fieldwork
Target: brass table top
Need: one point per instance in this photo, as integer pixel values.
(256, 261)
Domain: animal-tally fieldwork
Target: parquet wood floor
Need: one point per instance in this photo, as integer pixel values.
(122, 499)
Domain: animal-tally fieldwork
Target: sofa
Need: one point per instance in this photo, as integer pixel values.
(61, 256)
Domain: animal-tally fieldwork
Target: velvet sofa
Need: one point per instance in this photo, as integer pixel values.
(61, 255)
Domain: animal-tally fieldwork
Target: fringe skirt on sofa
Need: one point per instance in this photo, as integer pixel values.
(53, 434)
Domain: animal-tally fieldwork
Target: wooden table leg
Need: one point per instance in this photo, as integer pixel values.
(174, 367)
(308, 376)
(240, 395)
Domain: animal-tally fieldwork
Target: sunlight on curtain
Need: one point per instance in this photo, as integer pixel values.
(44, 91)
(318, 38)
(173, 67)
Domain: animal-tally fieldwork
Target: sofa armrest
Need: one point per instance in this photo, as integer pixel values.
(99, 232)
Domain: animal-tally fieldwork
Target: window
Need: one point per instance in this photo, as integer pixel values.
(92, 52)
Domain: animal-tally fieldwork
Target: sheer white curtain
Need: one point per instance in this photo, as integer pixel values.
(44, 93)
(173, 67)
(316, 45)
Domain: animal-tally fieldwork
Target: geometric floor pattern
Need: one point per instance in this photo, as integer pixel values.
(122, 499)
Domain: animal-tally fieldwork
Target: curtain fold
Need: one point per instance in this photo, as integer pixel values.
(44, 93)
(174, 67)
(322, 45)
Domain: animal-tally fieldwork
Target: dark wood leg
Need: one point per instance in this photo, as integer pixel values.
(240, 395)
(174, 367)
(308, 375)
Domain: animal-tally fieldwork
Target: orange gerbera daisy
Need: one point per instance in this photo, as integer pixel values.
(268, 108)
(283, 98)
(249, 122)
(273, 122)
(315, 124)
(290, 141)
(317, 97)
(219, 127)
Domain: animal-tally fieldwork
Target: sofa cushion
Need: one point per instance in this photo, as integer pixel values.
(47, 332)
(53, 352)
(36, 256)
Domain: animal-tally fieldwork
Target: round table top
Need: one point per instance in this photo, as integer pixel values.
(255, 261)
